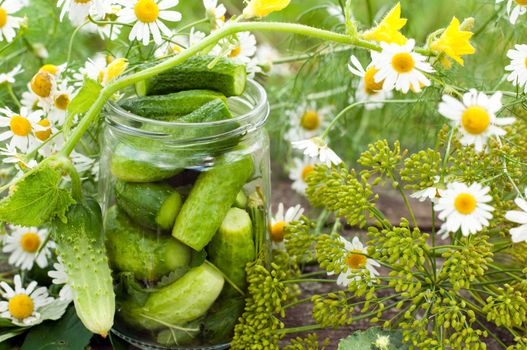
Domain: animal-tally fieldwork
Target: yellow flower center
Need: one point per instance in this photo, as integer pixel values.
(306, 171)
(146, 11)
(3, 17)
(475, 120)
(356, 261)
(403, 62)
(19, 125)
(235, 52)
(370, 85)
(42, 84)
(522, 2)
(50, 68)
(525, 60)
(30, 242)
(44, 134)
(62, 101)
(176, 49)
(310, 120)
(277, 231)
(82, 1)
(21, 306)
(465, 203)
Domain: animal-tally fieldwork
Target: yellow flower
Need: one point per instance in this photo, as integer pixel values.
(114, 69)
(261, 8)
(388, 29)
(454, 42)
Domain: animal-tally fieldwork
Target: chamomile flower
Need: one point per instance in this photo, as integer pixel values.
(215, 12)
(454, 42)
(55, 70)
(299, 172)
(307, 120)
(368, 89)
(43, 85)
(78, 10)
(93, 69)
(515, 9)
(388, 30)
(24, 244)
(475, 116)
(401, 68)
(9, 23)
(61, 100)
(178, 43)
(316, 148)
(23, 305)
(465, 207)
(519, 234)
(243, 49)
(29, 101)
(11, 156)
(280, 220)
(431, 193)
(265, 55)
(105, 31)
(21, 127)
(9, 77)
(355, 262)
(518, 66)
(146, 16)
(60, 277)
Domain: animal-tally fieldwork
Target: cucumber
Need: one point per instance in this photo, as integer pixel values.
(233, 246)
(142, 252)
(83, 254)
(209, 201)
(172, 105)
(185, 300)
(241, 200)
(142, 162)
(150, 205)
(224, 76)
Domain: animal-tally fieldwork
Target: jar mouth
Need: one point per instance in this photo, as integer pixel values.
(254, 98)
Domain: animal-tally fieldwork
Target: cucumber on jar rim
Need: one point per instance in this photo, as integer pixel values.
(171, 106)
(224, 76)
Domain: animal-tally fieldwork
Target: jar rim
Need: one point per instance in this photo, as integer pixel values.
(261, 107)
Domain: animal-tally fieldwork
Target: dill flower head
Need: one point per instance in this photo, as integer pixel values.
(388, 30)
(454, 42)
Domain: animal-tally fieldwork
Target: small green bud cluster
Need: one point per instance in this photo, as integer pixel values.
(311, 342)
(421, 169)
(507, 308)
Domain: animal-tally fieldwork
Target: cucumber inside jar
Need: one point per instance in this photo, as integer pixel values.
(179, 236)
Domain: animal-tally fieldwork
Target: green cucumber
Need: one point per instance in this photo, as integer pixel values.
(172, 105)
(233, 246)
(83, 254)
(150, 205)
(224, 76)
(209, 201)
(241, 200)
(143, 161)
(185, 300)
(142, 252)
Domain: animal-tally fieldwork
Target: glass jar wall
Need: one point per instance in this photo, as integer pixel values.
(185, 209)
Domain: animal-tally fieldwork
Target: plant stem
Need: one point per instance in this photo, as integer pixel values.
(212, 39)
(310, 280)
(311, 327)
(12, 95)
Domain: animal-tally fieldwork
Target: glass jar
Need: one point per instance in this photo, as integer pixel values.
(185, 208)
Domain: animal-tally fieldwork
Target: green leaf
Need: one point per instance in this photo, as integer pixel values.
(82, 102)
(366, 340)
(10, 333)
(68, 333)
(36, 198)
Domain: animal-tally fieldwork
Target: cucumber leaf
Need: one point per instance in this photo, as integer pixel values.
(368, 340)
(36, 198)
(80, 104)
(68, 333)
